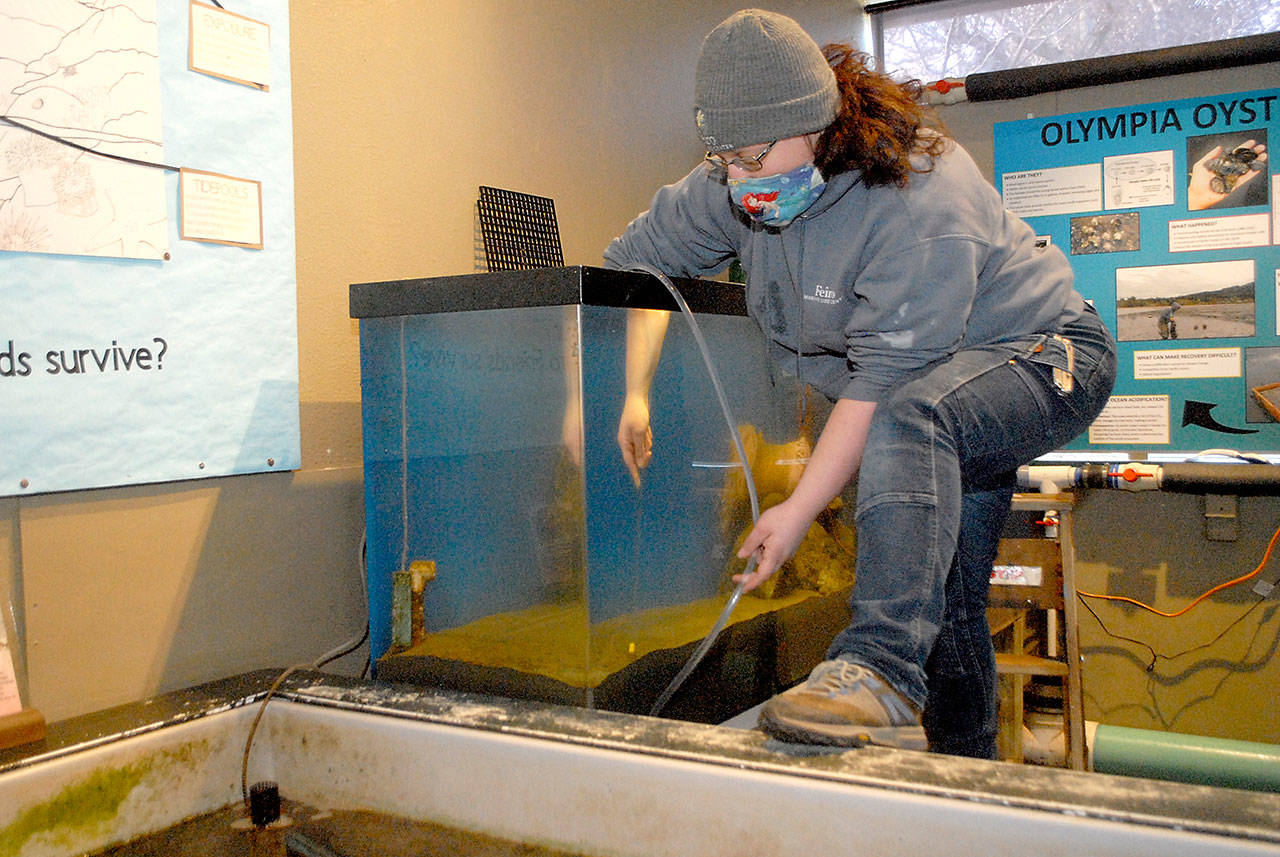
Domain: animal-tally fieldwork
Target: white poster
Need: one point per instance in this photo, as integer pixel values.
(230, 46)
(1058, 190)
(1138, 181)
(1219, 233)
(88, 75)
(1132, 419)
(1187, 363)
(221, 209)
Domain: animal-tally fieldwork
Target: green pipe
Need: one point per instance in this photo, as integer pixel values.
(1186, 758)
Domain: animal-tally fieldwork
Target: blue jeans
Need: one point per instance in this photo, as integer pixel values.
(934, 492)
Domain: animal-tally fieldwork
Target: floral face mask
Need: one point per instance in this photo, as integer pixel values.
(779, 199)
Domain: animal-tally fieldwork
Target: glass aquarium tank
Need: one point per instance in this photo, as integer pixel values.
(510, 549)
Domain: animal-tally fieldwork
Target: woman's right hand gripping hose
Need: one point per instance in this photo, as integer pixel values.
(831, 466)
(773, 540)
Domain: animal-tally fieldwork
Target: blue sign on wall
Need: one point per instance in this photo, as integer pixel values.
(1168, 214)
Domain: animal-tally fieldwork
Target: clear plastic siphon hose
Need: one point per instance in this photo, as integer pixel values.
(707, 642)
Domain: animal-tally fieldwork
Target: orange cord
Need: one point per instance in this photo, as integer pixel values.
(1266, 556)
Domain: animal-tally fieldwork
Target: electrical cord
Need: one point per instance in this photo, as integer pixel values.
(9, 120)
(362, 561)
(253, 729)
(1116, 636)
(1159, 656)
(1125, 599)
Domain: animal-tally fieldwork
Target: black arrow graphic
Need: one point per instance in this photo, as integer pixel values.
(1197, 414)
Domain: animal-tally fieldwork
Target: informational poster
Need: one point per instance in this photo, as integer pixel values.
(1168, 214)
(128, 354)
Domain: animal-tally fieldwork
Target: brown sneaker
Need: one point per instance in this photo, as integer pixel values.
(843, 704)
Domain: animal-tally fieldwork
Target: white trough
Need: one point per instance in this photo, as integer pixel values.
(591, 782)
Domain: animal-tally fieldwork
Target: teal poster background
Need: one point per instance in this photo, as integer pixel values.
(218, 391)
(1167, 213)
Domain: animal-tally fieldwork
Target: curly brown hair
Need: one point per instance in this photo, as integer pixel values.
(882, 124)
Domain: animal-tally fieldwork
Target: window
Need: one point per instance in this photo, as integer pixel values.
(954, 38)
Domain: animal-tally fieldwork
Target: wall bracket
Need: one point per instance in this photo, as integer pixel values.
(1220, 521)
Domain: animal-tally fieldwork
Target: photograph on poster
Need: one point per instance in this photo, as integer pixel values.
(1262, 379)
(1228, 170)
(1205, 300)
(1106, 233)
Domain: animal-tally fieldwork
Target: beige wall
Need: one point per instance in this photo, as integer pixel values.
(401, 109)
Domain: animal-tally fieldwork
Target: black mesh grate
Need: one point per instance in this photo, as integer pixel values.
(520, 231)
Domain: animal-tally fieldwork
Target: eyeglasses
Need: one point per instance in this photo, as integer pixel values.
(750, 163)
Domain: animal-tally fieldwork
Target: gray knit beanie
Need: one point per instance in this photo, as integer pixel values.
(761, 78)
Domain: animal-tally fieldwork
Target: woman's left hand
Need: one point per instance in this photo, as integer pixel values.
(774, 540)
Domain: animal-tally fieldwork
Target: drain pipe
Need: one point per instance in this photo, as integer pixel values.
(1184, 758)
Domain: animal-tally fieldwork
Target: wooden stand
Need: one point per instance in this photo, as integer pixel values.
(24, 727)
(1022, 657)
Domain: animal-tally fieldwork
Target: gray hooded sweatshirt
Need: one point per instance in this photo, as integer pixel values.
(871, 283)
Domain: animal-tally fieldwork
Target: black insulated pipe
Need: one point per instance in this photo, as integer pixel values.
(1239, 480)
(1140, 65)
